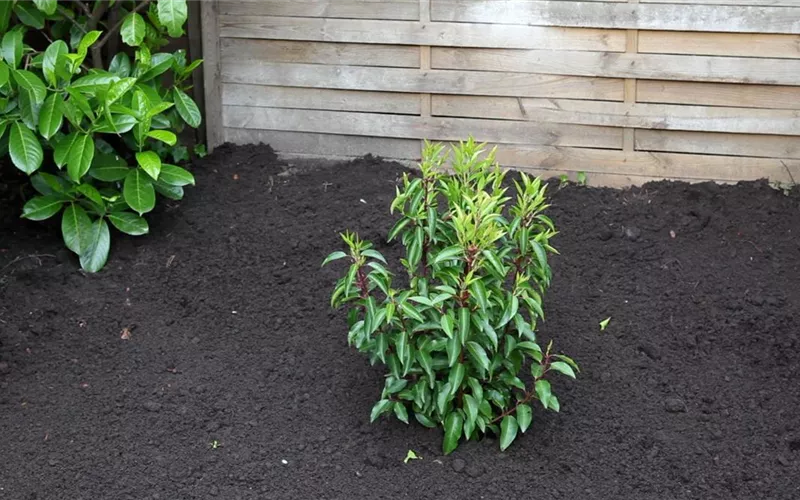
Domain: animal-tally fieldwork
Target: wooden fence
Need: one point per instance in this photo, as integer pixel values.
(624, 91)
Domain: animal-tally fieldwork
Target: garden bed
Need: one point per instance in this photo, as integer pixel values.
(236, 381)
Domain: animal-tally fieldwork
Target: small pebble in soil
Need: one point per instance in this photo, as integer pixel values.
(783, 461)
(633, 233)
(675, 405)
(474, 470)
(459, 464)
(650, 350)
(605, 234)
(284, 462)
(152, 406)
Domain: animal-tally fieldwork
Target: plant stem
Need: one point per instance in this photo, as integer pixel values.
(528, 394)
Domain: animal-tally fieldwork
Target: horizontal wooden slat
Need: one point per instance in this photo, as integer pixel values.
(422, 81)
(621, 114)
(621, 65)
(649, 164)
(417, 127)
(763, 3)
(350, 9)
(357, 54)
(419, 33)
(720, 44)
(727, 18)
(326, 145)
(719, 94)
(323, 99)
(768, 146)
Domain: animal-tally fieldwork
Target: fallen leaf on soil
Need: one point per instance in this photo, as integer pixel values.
(126, 334)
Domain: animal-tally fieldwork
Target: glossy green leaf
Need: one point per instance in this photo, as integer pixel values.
(51, 61)
(5, 15)
(92, 194)
(452, 432)
(448, 253)
(29, 109)
(524, 417)
(334, 256)
(543, 392)
(95, 257)
(30, 82)
(119, 124)
(138, 191)
(150, 163)
(62, 148)
(76, 228)
(46, 6)
(159, 63)
(12, 47)
(478, 355)
(133, 30)
(120, 65)
(456, 377)
(453, 350)
(424, 420)
(24, 148)
(29, 15)
(42, 207)
(118, 89)
(379, 409)
(51, 115)
(46, 183)
(108, 167)
(164, 136)
(447, 322)
(463, 324)
(400, 412)
(80, 156)
(173, 14)
(562, 367)
(508, 431)
(187, 108)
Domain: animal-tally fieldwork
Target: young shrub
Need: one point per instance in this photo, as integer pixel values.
(91, 130)
(457, 340)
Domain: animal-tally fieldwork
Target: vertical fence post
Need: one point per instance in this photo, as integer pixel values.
(211, 74)
(425, 63)
(631, 47)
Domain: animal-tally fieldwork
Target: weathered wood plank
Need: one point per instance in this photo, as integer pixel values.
(211, 74)
(763, 3)
(621, 65)
(326, 145)
(356, 54)
(423, 81)
(420, 33)
(719, 94)
(323, 99)
(649, 164)
(349, 9)
(417, 127)
(720, 44)
(768, 146)
(621, 114)
(643, 16)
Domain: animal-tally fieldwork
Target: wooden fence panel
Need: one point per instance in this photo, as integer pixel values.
(625, 90)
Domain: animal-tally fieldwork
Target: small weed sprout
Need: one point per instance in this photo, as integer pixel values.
(456, 341)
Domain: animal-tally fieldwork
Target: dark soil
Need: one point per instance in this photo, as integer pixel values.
(691, 392)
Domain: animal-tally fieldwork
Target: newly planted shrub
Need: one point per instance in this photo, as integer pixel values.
(93, 136)
(459, 342)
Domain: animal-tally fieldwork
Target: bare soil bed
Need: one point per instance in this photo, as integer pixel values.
(691, 392)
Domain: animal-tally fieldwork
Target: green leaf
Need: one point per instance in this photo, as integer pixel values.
(150, 163)
(478, 290)
(453, 350)
(448, 323)
(29, 15)
(562, 367)
(448, 253)
(29, 109)
(42, 207)
(424, 420)
(334, 256)
(80, 157)
(172, 14)
(187, 108)
(30, 82)
(508, 431)
(410, 311)
(51, 116)
(456, 377)
(46, 183)
(93, 83)
(380, 408)
(5, 15)
(164, 136)
(401, 412)
(568, 361)
(24, 148)
(46, 6)
(604, 323)
(120, 65)
(133, 29)
(171, 192)
(95, 257)
(91, 193)
(12, 47)
(51, 60)
(76, 229)
(463, 324)
(375, 255)
(490, 333)
(425, 361)
(108, 167)
(160, 63)
(158, 108)
(119, 124)
(411, 456)
(138, 191)
(63, 146)
(4, 71)
(471, 407)
(452, 432)
(553, 403)
(478, 355)
(543, 392)
(118, 89)
(524, 417)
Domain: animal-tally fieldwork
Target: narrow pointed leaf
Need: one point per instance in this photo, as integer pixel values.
(562, 367)
(51, 115)
(80, 157)
(478, 355)
(187, 108)
(379, 409)
(524, 417)
(452, 432)
(508, 431)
